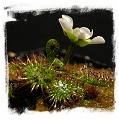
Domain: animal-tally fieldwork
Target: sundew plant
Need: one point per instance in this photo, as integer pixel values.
(49, 82)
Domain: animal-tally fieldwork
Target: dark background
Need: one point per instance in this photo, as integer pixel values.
(33, 30)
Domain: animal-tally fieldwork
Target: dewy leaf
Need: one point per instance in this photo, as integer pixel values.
(52, 48)
(50, 58)
(58, 63)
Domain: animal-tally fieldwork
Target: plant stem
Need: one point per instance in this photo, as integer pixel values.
(68, 53)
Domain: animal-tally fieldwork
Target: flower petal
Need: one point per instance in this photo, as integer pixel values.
(65, 25)
(85, 33)
(68, 19)
(97, 40)
(76, 32)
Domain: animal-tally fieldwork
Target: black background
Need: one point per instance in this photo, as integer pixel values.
(33, 30)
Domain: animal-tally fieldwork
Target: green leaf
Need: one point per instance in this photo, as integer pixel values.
(52, 48)
(58, 63)
(50, 58)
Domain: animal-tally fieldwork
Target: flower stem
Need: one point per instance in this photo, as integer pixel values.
(68, 53)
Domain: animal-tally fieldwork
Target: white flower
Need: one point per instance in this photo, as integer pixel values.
(78, 36)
